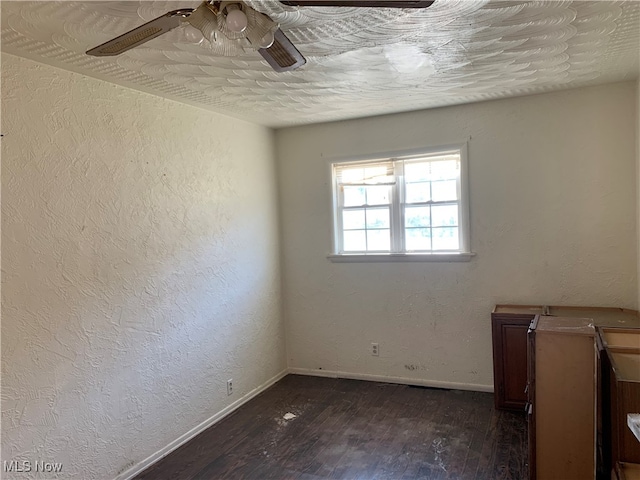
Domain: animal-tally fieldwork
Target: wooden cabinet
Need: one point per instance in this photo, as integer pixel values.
(628, 471)
(509, 331)
(563, 359)
(509, 324)
(610, 388)
(622, 383)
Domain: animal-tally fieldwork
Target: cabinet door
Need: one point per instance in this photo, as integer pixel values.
(510, 360)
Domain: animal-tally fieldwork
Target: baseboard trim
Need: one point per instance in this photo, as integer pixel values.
(386, 379)
(163, 452)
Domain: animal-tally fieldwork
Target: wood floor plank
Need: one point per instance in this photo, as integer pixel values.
(350, 429)
(477, 422)
(391, 449)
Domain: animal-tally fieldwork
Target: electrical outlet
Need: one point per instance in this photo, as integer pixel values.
(230, 386)
(375, 350)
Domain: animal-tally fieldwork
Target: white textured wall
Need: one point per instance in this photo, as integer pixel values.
(552, 189)
(140, 269)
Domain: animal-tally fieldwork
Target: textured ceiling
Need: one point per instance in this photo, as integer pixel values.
(361, 61)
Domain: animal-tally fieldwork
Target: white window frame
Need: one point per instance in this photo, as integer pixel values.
(397, 207)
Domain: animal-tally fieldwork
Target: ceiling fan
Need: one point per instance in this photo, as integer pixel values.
(228, 25)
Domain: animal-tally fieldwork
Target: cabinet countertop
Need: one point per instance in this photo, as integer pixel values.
(601, 316)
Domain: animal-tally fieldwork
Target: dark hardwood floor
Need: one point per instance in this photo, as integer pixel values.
(350, 429)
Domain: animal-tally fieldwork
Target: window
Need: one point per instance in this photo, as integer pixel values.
(412, 204)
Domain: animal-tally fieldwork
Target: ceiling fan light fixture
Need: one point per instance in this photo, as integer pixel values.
(261, 39)
(192, 34)
(205, 21)
(261, 30)
(236, 20)
(267, 40)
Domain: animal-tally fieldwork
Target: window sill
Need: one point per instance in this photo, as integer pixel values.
(401, 257)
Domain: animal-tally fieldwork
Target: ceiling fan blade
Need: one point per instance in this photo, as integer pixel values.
(359, 3)
(141, 34)
(282, 55)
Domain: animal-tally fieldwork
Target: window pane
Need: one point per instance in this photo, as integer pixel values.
(377, 218)
(444, 190)
(444, 215)
(353, 219)
(444, 170)
(355, 241)
(417, 217)
(352, 175)
(446, 239)
(378, 240)
(416, 172)
(378, 195)
(375, 174)
(418, 239)
(354, 196)
(417, 192)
